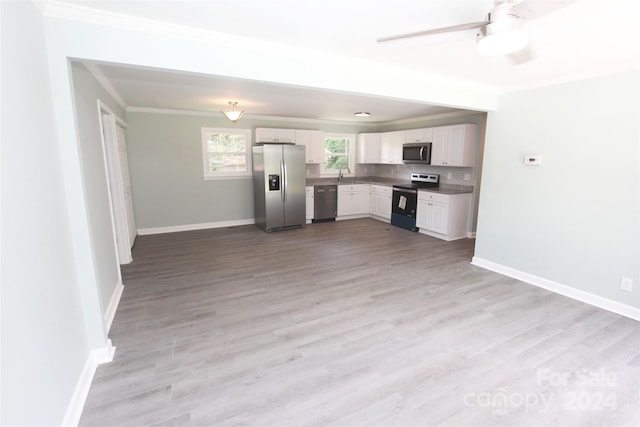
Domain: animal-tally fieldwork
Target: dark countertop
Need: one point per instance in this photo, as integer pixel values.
(450, 189)
(442, 189)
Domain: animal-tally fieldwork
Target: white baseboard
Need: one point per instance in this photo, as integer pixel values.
(471, 234)
(81, 390)
(191, 227)
(347, 217)
(113, 305)
(568, 291)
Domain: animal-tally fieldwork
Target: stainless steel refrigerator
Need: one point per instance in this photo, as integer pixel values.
(279, 180)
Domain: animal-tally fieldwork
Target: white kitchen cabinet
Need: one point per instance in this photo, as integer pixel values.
(418, 135)
(380, 202)
(310, 204)
(368, 148)
(454, 145)
(353, 201)
(443, 215)
(275, 135)
(313, 140)
(391, 147)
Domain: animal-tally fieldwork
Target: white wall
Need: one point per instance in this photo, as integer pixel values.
(44, 343)
(574, 219)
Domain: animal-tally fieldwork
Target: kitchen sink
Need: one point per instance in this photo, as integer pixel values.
(348, 182)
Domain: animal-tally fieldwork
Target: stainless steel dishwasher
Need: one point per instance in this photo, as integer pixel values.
(325, 200)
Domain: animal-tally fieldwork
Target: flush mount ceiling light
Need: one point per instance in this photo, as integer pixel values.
(362, 114)
(502, 37)
(232, 114)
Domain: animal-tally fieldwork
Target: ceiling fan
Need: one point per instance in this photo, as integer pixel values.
(503, 31)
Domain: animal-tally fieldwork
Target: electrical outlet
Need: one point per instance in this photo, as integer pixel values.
(626, 284)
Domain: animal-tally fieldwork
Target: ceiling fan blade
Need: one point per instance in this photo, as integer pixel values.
(530, 9)
(461, 27)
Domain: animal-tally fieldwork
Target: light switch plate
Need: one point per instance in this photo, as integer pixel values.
(532, 159)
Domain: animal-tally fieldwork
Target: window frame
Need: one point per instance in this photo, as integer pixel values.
(351, 152)
(208, 174)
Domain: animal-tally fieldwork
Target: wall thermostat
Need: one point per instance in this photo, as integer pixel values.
(532, 159)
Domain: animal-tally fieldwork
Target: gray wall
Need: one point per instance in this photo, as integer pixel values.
(574, 219)
(44, 343)
(87, 91)
(165, 161)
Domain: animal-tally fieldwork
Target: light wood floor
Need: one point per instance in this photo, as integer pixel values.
(353, 323)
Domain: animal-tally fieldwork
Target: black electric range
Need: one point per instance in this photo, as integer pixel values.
(405, 199)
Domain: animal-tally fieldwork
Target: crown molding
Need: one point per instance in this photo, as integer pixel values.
(89, 15)
(446, 115)
(179, 112)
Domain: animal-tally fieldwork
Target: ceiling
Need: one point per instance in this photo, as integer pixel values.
(163, 89)
(583, 38)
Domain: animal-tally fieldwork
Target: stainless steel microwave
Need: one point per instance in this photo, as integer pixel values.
(417, 153)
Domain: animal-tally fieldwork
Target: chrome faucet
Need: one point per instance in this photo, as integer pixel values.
(340, 176)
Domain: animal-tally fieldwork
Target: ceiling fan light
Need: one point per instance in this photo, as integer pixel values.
(232, 114)
(500, 40)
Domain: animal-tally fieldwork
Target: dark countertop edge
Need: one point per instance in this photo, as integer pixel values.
(446, 189)
(443, 188)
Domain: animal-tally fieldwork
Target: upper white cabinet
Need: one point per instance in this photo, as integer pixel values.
(368, 149)
(418, 135)
(391, 147)
(313, 140)
(275, 135)
(454, 145)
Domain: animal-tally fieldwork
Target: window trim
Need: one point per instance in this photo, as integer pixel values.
(352, 155)
(207, 174)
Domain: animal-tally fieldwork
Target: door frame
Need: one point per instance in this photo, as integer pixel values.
(117, 204)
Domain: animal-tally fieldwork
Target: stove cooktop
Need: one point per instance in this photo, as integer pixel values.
(421, 180)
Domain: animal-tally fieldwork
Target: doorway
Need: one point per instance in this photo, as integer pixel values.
(120, 196)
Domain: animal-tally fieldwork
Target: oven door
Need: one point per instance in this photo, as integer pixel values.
(404, 202)
(403, 208)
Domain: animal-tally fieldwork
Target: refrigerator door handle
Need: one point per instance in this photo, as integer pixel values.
(284, 182)
(284, 192)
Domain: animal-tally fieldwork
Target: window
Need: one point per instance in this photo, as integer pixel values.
(226, 153)
(338, 153)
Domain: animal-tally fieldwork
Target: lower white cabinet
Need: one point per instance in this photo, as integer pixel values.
(310, 204)
(445, 216)
(380, 202)
(353, 200)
